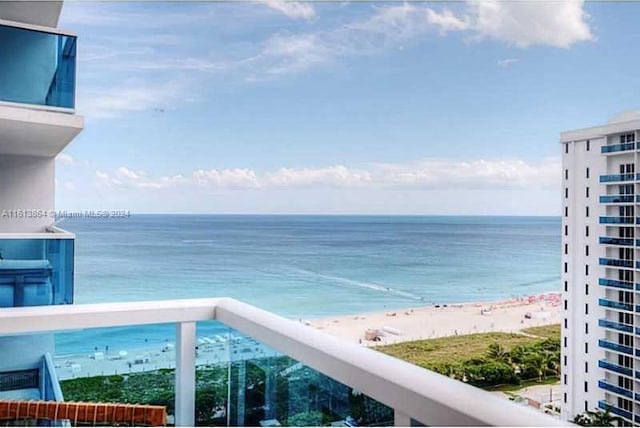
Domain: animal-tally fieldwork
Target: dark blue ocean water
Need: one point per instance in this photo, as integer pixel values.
(309, 266)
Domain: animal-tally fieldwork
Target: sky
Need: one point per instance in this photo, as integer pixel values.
(264, 107)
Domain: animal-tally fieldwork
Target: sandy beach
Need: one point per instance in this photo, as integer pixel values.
(392, 326)
(510, 315)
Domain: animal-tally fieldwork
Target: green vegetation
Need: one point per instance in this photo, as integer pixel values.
(488, 359)
(597, 418)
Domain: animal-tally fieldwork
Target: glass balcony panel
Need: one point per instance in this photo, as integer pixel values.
(616, 411)
(38, 67)
(35, 272)
(616, 305)
(615, 347)
(616, 262)
(616, 199)
(616, 220)
(615, 325)
(616, 283)
(613, 388)
(617, 148)
(611, 178)
(615, 367)
(616, 241)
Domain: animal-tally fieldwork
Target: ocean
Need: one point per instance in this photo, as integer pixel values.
(305, 266)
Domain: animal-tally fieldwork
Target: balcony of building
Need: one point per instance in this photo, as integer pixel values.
(626, 328)
(617, 148)
(605, 261)
(616, 199)
(37, 89)
(607, 344)
(616, 220)
(36, 269)
(615, 367)
(604, 405)
(607, 386)
(622, 242)
(617, 178)
(615, 283)
(266, 387)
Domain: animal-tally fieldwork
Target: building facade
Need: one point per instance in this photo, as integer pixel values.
(600, 341)
(37, 121)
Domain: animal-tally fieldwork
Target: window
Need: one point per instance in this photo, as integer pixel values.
(566, 305)
(566, 211)
(565, 360)
(587, 172)
(566, 230)
(586, 270)
(564, 379)
(565, 397)
(586, 309)
(566, 148)
(566, 192)
(586, 403)
(587, 192)
(586, 367)
(586, 328)
(586, 250)
(586, 211)
(586, 231)
(566, 248)
(566, 174)
(586, 347)
(566, 323)
(566, 267)
(586, 289)
(566, 286)
(565, 342)
(588, 146)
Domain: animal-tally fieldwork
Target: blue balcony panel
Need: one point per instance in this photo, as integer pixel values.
(615, 347)
(607, 240)
(616, 220)
(36, 272)
(616, 389)
(616, 283)
(615, 368)
(615, 325)
(38, 67)
(613, 148)
(616, 411)
(615, 262)
(615, 305)
(616, 199)
(612, 178)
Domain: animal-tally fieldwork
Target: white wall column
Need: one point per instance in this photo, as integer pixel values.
(401, 419)
(185, 374)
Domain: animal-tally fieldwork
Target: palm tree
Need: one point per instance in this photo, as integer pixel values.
(597, 418)
(497, 352)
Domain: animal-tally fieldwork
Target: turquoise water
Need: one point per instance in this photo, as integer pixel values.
(308, 266)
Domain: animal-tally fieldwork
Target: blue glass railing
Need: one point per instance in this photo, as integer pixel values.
(615, 368)
(616, 198)
(616, 220)
(616, 411)
(616, 305)
(613, 388)
(616, 283)
(616, 177)
(615, 325)
(36, 272)
(37, 67)
(616, 262)
(616, 241)
(603, 343)
(617, 147)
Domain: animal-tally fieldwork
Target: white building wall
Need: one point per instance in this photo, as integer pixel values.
(26, 183)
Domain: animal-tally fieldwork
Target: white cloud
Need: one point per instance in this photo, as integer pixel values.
(292, 9)
(446, 20)
(507, 62)
(424, 174)
(526, 23)
(68, 160)
(130, 97)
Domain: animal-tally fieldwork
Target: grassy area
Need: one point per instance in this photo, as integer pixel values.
(433, 353)
(546, 331)
(551, 380)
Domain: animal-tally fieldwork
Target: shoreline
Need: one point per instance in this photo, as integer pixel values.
(392, 326)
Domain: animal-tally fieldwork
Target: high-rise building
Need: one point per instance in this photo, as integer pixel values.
(37, 121)
(600, 339)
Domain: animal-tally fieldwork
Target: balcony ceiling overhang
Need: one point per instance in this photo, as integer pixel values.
(45, 13)
(36, 132)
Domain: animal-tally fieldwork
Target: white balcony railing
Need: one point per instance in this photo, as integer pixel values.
(414, 393)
